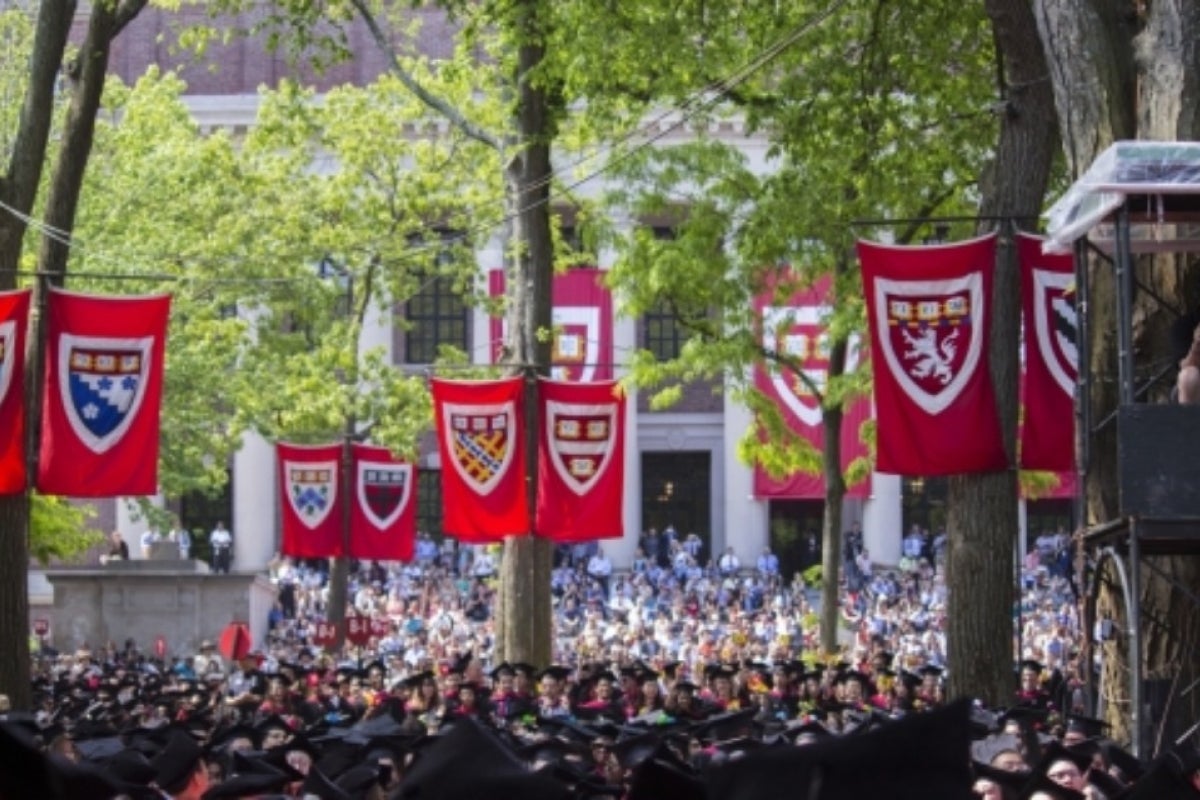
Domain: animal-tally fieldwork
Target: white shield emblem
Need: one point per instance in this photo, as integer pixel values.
(384, 489)
(102, 383)
(311, 489)
(8, 355)
(1055, 323)
(480, 442)
(799, 332)
(931, 333)
(582, 437)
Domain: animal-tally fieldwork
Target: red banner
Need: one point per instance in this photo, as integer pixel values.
(102, 392)
(929, 309)
(1051, 360)
(581, 461)
(797, 329)
(383, 511)
(481, 441)
(310, 485)
(14, 320)
(582, 317)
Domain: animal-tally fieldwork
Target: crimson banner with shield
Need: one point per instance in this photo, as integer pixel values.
(311, 502)
(384, 506)
(581, 461)
(481, 442)
(1051, 360)
(581, 314)
(928, 309)
(14, 318)
(797, 328)
(102, 390)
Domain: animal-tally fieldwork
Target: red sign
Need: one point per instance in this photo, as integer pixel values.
(160, 646)
(358, 629)
(41, 627)
(379, 627)
(325, 634)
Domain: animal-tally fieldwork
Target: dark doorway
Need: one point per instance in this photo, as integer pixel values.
(924, 502)
(199, 513)
(795, 527)
(677, 490)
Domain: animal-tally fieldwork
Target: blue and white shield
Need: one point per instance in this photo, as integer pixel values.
(311, 489)
(102, 382)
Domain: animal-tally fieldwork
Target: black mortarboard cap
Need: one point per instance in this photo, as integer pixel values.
(808, 732)
(1010, 780)
(359, 779)
(636, 749)
(131, 766)
(318, 784)
(177, 759)
(416, 679)
(1031, 664)
(921, 757)
(503, 668)
(1124, 761)
(989, 747)
(559, 673)
(529, 670)
(931, 669)
(669, 668)
(248, 784)
(657, 778)
(1086, 726)
(1055, 751)
(722, 727)
(100, 749)
(1040, 783)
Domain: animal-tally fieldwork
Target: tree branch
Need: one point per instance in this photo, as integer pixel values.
(438, 104)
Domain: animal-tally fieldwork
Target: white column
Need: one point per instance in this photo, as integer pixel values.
(883, 520)
(746, 518)
(255, 500)
(622, 550)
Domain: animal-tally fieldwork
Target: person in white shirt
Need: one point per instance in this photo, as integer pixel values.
(180, 536)
(149, 537)
(221, 542)
(729, 563)
(600, 568)
(768, 563)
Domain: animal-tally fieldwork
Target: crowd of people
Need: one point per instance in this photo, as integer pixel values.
(681, 665)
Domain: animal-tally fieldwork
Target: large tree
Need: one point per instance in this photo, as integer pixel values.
(20, 181)
(983, 521)
(862, 126)
(1131, 70)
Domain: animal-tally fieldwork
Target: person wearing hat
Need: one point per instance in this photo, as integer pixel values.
(246, 687)
(179, 767)
(553, 699)
(1031, 692)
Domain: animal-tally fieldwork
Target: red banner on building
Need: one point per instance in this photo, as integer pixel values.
(310, 486)
(481, 441)
(797, 329)
(1051, 360)
(929, 312)
(581, 461)
(383, 515)
(583, 324)
(102, 394)
(14, 321)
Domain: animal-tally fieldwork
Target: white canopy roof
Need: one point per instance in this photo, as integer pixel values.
(1143, 172)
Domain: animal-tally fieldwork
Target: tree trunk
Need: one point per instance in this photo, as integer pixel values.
(87, 76)
(983, 508)
(831, 521)
(524, 624)
(1112, 82)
